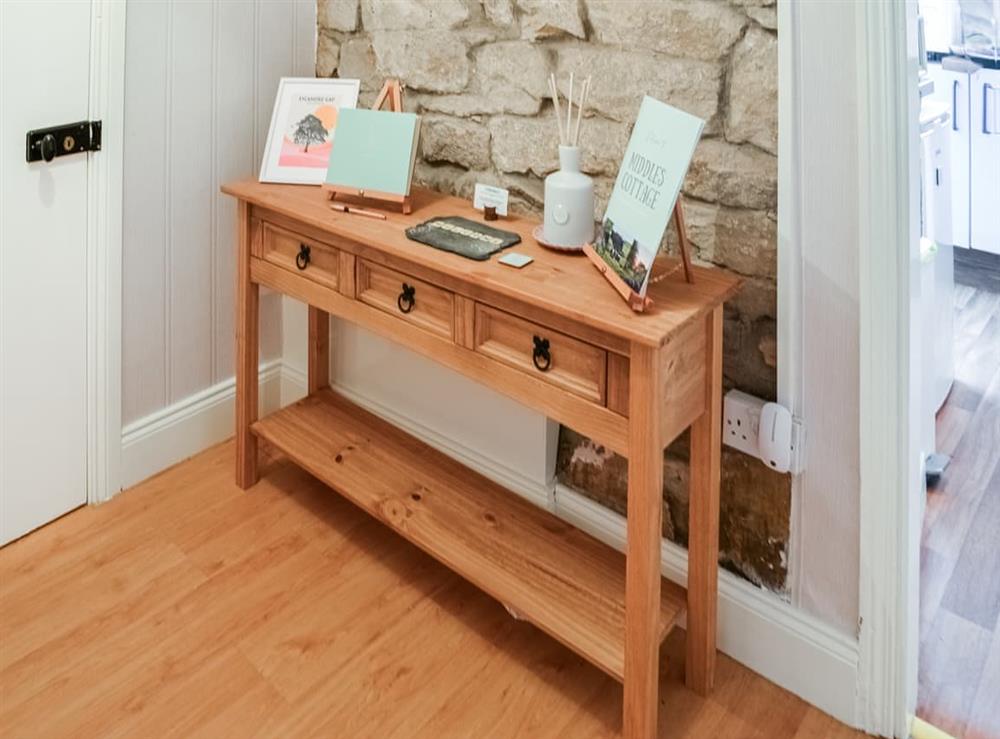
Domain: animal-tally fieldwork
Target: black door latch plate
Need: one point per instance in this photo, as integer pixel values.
(72, 138)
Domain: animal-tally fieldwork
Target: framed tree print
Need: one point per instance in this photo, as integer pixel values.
(303, 126)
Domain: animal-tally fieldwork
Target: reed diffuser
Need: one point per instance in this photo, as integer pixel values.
(569, 194)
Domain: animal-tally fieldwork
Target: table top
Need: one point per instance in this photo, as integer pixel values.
(565, 284)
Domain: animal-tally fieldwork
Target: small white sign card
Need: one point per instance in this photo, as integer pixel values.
(303, 126)
(489, 195)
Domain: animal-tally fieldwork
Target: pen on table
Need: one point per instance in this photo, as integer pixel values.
(359, 211)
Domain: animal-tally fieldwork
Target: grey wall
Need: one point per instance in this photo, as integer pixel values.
(200, 83)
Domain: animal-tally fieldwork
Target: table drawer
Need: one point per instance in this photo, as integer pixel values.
(412, 300)
(317, 261)
(565, 362)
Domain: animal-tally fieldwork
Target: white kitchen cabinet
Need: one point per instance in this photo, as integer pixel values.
(984, 159)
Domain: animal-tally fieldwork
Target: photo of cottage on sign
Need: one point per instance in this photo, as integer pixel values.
(303, 126)
(657, 159)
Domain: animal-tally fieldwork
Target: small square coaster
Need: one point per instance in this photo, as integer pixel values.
(513, 259)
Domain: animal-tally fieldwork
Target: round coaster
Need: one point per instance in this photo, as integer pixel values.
(539, 234)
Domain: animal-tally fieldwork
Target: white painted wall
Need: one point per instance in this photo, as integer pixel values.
(200, 84)
(819, 166)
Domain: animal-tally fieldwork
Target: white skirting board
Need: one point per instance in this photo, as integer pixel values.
(756, 628)
(171, 435)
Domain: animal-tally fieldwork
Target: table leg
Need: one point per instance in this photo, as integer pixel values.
(247, 320)
(642, 569)
(703, 518)
(319, 349)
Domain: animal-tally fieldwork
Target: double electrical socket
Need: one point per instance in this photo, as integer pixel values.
(763, 430)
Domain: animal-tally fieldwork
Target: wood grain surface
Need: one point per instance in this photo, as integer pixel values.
(548, 572)
(188, 608)
(959, 685)
(570, 288)
(597, 422)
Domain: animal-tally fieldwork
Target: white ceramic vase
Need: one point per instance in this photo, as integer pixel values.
(569, 202)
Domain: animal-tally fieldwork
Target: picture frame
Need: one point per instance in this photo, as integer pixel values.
(303, 125)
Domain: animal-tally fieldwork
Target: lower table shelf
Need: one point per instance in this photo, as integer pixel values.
(549, 573)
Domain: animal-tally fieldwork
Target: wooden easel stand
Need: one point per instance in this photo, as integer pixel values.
(635, 301)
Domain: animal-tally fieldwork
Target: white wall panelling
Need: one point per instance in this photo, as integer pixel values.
(200, 84)
(819, 167)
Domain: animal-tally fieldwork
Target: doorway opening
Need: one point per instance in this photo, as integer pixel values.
(959, 621)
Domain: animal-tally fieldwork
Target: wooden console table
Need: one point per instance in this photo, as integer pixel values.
(553, 336)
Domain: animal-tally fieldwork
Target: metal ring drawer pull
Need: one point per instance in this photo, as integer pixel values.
(540, 356)
(407, 299)
(302, 258)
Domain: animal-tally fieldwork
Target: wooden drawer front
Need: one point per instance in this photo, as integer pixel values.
(572, 365)
(319, 262)
(412, 300)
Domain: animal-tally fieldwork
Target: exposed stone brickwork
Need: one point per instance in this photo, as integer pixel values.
(477, 71)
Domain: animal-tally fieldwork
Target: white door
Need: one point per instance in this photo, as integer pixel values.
(44, 82)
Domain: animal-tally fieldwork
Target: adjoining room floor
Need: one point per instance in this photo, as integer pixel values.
(187, 607)
(959, 688)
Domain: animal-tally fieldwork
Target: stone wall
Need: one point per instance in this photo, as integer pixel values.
(477, 70)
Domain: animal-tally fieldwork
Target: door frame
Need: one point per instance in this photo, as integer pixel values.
(104, 251)
(891, 467)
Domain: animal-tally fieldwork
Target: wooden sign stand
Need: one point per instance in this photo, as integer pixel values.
(637, 302)
(392, 92)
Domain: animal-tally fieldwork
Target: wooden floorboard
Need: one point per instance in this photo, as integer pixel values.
(959, 682)
(974, 586)
(978, 269)
(186, 607)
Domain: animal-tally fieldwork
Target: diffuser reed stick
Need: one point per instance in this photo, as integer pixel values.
(569, 109)
(570, 134)
(584, 92)
(555, 102)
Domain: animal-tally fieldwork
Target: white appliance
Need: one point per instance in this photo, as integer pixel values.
(937, 275)
(951, 88)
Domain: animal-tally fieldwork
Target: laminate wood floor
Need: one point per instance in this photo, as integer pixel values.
(959, 686)
(187, 607)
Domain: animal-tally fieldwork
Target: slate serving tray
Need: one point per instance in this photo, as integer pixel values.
(462, 236)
